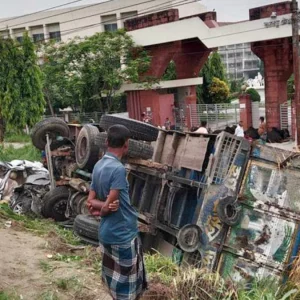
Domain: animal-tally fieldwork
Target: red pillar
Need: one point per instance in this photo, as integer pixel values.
(278, 62)
(189, 60)
(246, 110)
(160, 106)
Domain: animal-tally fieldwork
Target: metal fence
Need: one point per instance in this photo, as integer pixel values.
(218, 116)
(286, 116)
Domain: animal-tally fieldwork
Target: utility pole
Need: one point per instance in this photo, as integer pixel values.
(295, 27)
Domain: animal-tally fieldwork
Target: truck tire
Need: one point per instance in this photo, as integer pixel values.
(87, 227)
(87, 147)
(55, 204)
(139, 130)
(229, 211)
(136, 149)
(54, 127)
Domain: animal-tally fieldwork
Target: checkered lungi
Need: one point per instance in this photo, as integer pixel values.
(123, 270)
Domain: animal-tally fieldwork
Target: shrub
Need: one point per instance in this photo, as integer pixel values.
(254, 95)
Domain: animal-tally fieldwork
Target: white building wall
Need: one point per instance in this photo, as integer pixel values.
(86, 20)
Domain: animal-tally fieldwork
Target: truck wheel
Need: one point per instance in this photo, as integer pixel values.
(136, 149)
(87, 147)
(55, 204)
(87, 227)
(81, 206)
(139, 130)
(54, 127)
(229, 211)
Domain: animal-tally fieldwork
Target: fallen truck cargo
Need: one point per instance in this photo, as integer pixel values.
(212, 201)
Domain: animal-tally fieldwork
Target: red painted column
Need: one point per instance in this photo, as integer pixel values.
(246, 110)
(278, 62)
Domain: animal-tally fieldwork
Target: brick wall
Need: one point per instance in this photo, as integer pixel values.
(158, 18)
(262, 12)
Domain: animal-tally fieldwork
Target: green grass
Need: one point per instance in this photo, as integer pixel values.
(48, 295)
(67, 257)
(28, 152)
(69, 284)
(5, 295)
(14, 137)
(38, 226)
(160, 266)
(45, 266)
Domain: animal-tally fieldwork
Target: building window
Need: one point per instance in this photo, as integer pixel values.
(38, 37)
(111, 27)
(19, 39)
(55, 36)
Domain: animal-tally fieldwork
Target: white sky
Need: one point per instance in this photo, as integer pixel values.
(227, 10)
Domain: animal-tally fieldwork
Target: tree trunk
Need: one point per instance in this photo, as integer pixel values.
(50, 105)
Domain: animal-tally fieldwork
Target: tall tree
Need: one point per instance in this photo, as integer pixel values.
(32, 103)
(21, 98)
(213, 68)
(217, 69)
(85, 74)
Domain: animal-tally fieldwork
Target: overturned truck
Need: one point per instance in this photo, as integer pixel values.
(211, 201)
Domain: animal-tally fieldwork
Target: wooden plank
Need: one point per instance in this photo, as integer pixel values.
(147, 163)
(167, 149)
(179, 152)
(194, 153)
(160, 142)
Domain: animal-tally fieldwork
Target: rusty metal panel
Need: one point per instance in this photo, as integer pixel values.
(238, 269)
(271, 154)
(263, 238)
(194, 153)
(269, 188)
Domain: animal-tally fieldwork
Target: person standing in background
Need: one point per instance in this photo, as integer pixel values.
(262, 130)
(202, 129)
(239, 131)
(167, 124)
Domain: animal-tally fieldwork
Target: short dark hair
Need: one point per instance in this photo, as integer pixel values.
(203, 123)
(262, 119)
(117, 135)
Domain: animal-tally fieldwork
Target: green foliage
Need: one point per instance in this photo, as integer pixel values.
(21, 98)
(8, 295)
(213, 68)
(170, 73)
(219, 91)
(236, 85)
(160, 266)
(27, 152)
(254, 95)
(16, 137)
(86, 73)
(216, 67)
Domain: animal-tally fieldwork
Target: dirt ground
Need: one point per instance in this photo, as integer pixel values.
(27, 271)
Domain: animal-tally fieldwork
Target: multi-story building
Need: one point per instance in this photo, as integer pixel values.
(63, 24)
(240, 61)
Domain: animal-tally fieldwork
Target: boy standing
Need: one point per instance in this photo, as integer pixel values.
(122, 266)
